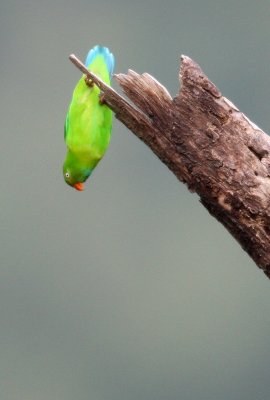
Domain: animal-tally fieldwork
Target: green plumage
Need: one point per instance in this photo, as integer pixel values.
(88, 124)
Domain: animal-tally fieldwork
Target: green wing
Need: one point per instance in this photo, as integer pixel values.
(88, 123)
(66, 125)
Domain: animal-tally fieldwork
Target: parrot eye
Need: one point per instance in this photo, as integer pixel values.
(67, 175)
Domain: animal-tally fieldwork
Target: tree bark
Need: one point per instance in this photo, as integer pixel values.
(207, 143)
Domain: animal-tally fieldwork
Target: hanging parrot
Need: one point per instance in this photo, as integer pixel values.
(88, 123)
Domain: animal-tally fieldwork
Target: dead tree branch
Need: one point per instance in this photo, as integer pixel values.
(207, 143)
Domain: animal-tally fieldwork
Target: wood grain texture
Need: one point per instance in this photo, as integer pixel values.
(208, 144)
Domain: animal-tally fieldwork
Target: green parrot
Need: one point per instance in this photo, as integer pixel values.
(89, 122)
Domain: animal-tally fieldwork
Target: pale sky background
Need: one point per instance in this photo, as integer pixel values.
(129, 290)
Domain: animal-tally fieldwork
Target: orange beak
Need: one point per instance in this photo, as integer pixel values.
(79, 186)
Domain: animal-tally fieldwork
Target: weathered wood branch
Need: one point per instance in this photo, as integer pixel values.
(207, 143)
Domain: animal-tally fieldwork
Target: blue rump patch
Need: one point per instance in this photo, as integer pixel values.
(105, 52)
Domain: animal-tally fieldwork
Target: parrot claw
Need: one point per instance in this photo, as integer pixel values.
(89, 82)
(102, 99)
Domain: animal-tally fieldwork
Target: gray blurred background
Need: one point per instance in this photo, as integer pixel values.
(129, 290)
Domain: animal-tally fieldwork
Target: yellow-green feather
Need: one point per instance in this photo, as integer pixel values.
(88, 123)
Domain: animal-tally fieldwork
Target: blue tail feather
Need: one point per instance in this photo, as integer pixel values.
(105, 52)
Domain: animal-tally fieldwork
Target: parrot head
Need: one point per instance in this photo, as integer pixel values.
(75, 176)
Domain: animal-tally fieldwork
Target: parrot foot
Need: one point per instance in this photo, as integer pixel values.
(89, 82)
(102, 99)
